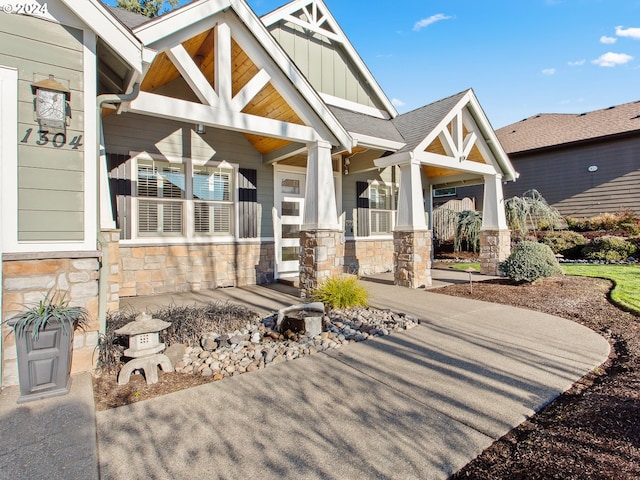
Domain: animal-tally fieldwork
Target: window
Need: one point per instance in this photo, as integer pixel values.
(213, 200)
(444, 192)
(382, 205)
(171, 204)
(161, 193)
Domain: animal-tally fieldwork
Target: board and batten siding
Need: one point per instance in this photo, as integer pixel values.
(50, 176)
(128, 133)
(324, 64)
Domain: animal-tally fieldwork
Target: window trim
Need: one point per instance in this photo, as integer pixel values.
(441, 195)
(188, 202)
(393, 211)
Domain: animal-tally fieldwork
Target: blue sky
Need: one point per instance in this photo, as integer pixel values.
(521, 57)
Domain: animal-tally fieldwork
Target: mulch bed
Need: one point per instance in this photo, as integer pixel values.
(593, 430)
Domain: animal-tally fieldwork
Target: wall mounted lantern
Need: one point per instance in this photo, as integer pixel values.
(51, 104)
(200, 129)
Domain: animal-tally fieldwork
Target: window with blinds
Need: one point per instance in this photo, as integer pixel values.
(382, 203)
(161, 193)
(213, 201)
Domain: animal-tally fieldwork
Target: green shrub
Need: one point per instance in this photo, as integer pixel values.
(626, 220)
(342, 292)
(529, 262)
(565, 242)
(531, 212)
(609, 248)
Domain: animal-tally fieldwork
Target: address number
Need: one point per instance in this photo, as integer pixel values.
(58, 140)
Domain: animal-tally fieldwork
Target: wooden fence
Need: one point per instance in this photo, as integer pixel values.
(444, 218)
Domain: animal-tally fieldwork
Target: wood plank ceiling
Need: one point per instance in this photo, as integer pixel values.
(437, 147)
(267, 103)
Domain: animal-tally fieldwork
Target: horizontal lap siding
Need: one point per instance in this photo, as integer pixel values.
(562, 177)
(50, 177)
(137, 133)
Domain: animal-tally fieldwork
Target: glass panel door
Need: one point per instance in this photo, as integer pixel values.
(289, 200)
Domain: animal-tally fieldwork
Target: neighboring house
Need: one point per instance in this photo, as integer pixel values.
(583, 165)
(226, 150)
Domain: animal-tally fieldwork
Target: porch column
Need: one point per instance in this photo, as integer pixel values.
(411, 236)
(495, 236)
(321, 239)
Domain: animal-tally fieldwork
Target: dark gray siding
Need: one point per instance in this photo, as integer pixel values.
(563, 178)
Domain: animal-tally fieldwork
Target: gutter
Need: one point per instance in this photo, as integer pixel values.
(103, 274)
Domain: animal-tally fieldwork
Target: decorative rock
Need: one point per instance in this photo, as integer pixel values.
(207, 372)
(175, 353)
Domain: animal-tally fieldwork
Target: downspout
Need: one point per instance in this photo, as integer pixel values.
(103, 275)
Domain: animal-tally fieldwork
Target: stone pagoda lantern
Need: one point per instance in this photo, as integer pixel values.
(144, 348)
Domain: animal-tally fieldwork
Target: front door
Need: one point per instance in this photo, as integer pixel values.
(289, 201)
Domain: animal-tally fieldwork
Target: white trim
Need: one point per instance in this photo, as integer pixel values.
(118, 37)
(91, 160)
(250, 90)
(354, 106)
(437, 160)
(183, 111)
(376, 142)
(8, 158)
(296, 5)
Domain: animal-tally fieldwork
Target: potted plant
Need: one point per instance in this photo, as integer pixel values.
(44, 345)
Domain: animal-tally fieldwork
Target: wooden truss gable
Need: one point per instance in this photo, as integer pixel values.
(214, 70)
(315, 21)
(461, 149)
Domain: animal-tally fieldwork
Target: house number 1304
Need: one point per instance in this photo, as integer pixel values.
(58, 140)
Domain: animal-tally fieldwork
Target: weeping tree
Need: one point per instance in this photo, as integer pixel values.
(530, 212)
(148, 8)
(468, 224)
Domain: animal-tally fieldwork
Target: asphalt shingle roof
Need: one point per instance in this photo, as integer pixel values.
(366, 125)
(414, 126)
(128, 19)
(553, 129)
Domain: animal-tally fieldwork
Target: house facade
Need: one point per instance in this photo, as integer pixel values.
(210, 148)
(582, 164)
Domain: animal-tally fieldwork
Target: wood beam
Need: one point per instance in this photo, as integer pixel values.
(223, 63)
(215, 116)
(192, 75)
(250, 90)
(283, 153)
(436, 160)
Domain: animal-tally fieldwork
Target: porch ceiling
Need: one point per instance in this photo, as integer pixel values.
(438, 172)
(268, 103)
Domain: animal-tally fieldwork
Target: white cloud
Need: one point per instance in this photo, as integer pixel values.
(549, 71)
(425, 22)
(611, 59)
(397, 102)
(577, 63)
(628, 32)
(608, 40)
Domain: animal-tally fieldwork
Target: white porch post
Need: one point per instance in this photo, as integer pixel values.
(493, 214)
(411, 200)
(321, 241)
(495, 236)
(320, 210)
(411, 236)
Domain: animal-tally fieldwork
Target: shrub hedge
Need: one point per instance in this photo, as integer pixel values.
(530, 261)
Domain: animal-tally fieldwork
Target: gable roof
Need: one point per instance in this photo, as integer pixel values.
(356, 122)
(554, 129)
(416, 125)
(127, 18)
(322, 22)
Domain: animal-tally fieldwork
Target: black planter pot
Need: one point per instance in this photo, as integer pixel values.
(44, 365)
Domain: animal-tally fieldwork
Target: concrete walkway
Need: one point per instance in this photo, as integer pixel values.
(420, 404)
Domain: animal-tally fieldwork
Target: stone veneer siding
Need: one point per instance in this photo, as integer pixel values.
(412, 254)
(153, 270)
(495, 247)
(368, 256)
(27, 278)
(321, 257)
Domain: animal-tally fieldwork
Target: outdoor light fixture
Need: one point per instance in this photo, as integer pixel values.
(593, 168)
(51, 105)
(200, 129)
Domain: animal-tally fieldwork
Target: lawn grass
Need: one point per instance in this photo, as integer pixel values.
(461, 266)
(626, 292)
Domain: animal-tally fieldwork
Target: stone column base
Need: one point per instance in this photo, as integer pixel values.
(495, 247)
(112, 243)
(321, 257)
(412, 258)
